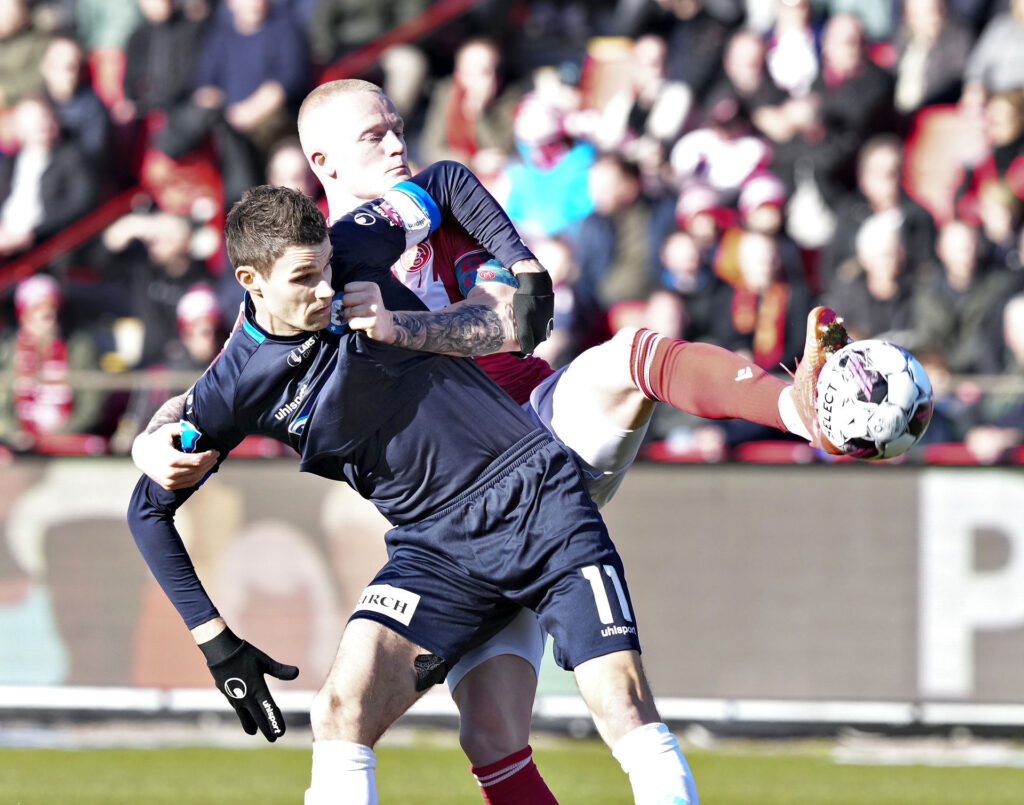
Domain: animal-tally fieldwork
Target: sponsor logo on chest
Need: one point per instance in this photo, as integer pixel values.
(298, 355)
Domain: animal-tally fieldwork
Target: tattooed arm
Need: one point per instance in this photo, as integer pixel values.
(154, 453)
(479, 325)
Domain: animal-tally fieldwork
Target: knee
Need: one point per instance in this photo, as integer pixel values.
(324, 713)
(334, 717)
(488, 733)
(624, 337)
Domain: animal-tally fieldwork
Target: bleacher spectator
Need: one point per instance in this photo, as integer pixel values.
(682, 305)
(850, 99)
(105, 23)
(473, 109)
(876, 16)
(47, 185)
(21, 48)
(287, 167)
(199, 337)
(722, 154)
(879, 189)
(931, 54)
(793, 47)
(1000, 217)
(696, 32)
(338, 27)
(545, 190)
(80, 112)
(1004, 160)
(954, 303)
(149, 257)
(745, 80)
(762, 313)
(1000, 415)
(40, 400)
(649, 111)
(160, 59)
(760, 206)
(615, 246)
(872, 287)
(253, 70)
(996, 62)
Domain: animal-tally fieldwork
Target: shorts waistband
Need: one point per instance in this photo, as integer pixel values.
(504, 464)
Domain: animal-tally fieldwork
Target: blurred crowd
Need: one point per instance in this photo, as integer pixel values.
(707, 168)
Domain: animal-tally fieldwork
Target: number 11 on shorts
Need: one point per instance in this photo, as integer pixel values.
(592, 573)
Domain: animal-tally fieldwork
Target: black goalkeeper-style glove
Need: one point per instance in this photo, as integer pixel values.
(238, 670)
(533, 306)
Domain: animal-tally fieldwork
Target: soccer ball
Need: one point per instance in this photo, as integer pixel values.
(874, 400)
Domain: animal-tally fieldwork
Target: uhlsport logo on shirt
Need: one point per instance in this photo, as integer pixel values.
(391, 601)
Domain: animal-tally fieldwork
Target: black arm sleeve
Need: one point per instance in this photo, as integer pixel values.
(459, 194)
(151, 520)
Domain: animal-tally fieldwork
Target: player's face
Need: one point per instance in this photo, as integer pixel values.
(296, 294)
(366, 144)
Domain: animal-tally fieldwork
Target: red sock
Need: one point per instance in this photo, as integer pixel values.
(704, 380)
(514, 780)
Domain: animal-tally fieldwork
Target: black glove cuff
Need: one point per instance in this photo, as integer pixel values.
(533, 308)
(535, 283)
(221, 647)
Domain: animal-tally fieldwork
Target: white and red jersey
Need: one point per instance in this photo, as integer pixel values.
(436, 271)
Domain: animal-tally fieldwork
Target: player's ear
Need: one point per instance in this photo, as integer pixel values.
(322, 165)
(249, 278)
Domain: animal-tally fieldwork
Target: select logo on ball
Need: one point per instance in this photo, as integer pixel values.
(235, 688)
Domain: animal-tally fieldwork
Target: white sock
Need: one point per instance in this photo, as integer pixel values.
(790, 418)
(657, 770)
(342, 774)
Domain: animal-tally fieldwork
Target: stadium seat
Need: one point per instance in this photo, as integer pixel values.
(72, 444)
(774, 451)
(948, 453)
(678, 453)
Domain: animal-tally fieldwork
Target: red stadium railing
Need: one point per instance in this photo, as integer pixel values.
(74, 235)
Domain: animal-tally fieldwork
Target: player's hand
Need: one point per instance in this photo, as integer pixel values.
(155, 455)
(364, 310)
(238, 669)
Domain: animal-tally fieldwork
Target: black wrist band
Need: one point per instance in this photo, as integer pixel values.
(534, 283)
(221, 647)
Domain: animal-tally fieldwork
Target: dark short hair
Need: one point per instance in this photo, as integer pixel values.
(266, 221)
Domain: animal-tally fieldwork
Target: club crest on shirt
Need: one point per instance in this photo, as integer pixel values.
(416, 258)
(337, 323)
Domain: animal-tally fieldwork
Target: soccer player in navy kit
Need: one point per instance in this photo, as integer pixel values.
(487, 520)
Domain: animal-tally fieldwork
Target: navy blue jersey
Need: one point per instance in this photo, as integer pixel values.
(408, 430)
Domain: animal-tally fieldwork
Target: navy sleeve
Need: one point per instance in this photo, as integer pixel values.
(151, 520)
(459, 195)
(152, 508)
(366, 244)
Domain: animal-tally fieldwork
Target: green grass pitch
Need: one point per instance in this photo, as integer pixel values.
(579, 772)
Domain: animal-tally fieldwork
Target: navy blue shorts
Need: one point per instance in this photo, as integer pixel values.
(527, 534)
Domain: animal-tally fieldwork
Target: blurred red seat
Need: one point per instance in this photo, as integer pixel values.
(774, 451)
(947, 453)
